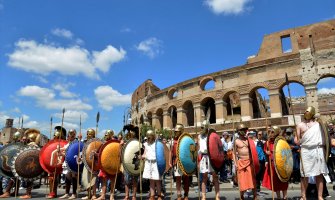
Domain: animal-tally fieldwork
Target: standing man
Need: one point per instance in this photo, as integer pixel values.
(261, 158)
(243, 161)
(309, 137)
(178, 130)
(224, 169)
(295, 154)
(205, 166)
(70, 176)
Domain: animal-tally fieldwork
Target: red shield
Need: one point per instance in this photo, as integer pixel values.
(50, 159)
(215, 151)
(254, 155)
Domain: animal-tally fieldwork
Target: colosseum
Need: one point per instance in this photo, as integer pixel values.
(234, 98)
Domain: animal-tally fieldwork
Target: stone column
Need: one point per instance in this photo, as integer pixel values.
(198, 116)
(155, 121)
(311, 96)
(181, 117)
(246, 107)
(221, 111)
(167, 122)
(275, 103)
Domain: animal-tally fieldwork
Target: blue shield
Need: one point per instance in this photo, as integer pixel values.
(186, 154)
(73, 152)
(160, 157)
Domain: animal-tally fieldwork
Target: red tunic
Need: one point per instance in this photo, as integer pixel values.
(277, 183)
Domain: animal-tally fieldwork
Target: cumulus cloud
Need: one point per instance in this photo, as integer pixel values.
(44, 59)
(63, 90)
(73, 116)
(227, 6)
(107, 97)
(61, 32)
(45, 98)
(150, 47)
(326, 91)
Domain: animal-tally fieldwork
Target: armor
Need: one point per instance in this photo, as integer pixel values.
(108, 135)
(150, 136)
(275, 131)
(309, 113)
(60, 133)
(242, 129)
(17, 136)
(90, 134)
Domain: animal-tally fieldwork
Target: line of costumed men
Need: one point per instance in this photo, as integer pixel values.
(85, 161)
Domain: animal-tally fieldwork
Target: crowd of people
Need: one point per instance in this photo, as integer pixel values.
(312, 166)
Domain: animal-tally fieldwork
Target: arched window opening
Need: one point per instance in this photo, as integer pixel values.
(326, 97)
(189, 112)
(209, 104)
(210, 85)
(297, 103)
(260, 103)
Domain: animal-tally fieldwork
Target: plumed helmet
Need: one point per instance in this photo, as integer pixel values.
(205, 124)
(33, 135)
(90, 133)
(179, 127)
(60, 133)
(309, 113)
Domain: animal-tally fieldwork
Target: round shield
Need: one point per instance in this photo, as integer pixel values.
(73, 153)
(186, 154)
(215, 151)
(160, 157)
(283, 160)
(26, 165)
(130, 157)
(50, 156)
(254, 155)
(109, 157)
(6, 154)
(91, 148)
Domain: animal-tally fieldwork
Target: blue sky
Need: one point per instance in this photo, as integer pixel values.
(89, 56)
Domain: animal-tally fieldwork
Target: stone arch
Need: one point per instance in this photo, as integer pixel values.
(159, 121)
(188, 112)
(328, 75)
(172, 92)
(285, 101)
(172, 121)
(233, 105)
(259, 102)
(149, 118)
(326, 96)
(203, 82)
(209, 103)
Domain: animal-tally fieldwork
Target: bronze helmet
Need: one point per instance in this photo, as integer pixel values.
(309, 113)
(33, 135)
(17, 135)
(242, 129)
(178, 130)
(60, 133)
(90, 133)
(108, 135)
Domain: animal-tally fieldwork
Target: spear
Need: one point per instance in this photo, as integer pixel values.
(234, 139)
(96, 131)
(295, 125)
(22, 122)
(141, 163)
(78, 163)
(50, 127)
(198, 172)
(171, 148)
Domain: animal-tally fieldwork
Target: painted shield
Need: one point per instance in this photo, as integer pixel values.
(130, 157)
(50, 158)
(254, 155)
(186, 154)
(283, 160)
(90, 152)
(6, 154)
(26, 165)
(160, 157)
(73, 152)
(109, 157)
(215, 151)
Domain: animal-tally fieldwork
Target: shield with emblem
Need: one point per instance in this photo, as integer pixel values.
(186, 154)
(130, 157)
(215, 150)
(283, 160)
(73, 153)
(26, 165)
(90, 153)
(6, 154)
(160, 157)
(51, 158)
(109, 157)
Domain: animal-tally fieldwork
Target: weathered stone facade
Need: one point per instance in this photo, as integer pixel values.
(311, 58)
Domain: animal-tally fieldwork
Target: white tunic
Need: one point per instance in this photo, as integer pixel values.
(312, 153)
(150, 167)
(204, 164)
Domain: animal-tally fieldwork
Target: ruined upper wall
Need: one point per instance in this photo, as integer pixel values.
(144, 90)
(316, 36)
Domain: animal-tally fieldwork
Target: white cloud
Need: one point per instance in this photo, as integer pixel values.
(60, 32)
(227, 6)
(326, 91)
(41, 79)
(107, 97)
(46, 98)
(150, 47)
(105, 58)
(73, 116)
(44, 59)
(63, 90)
